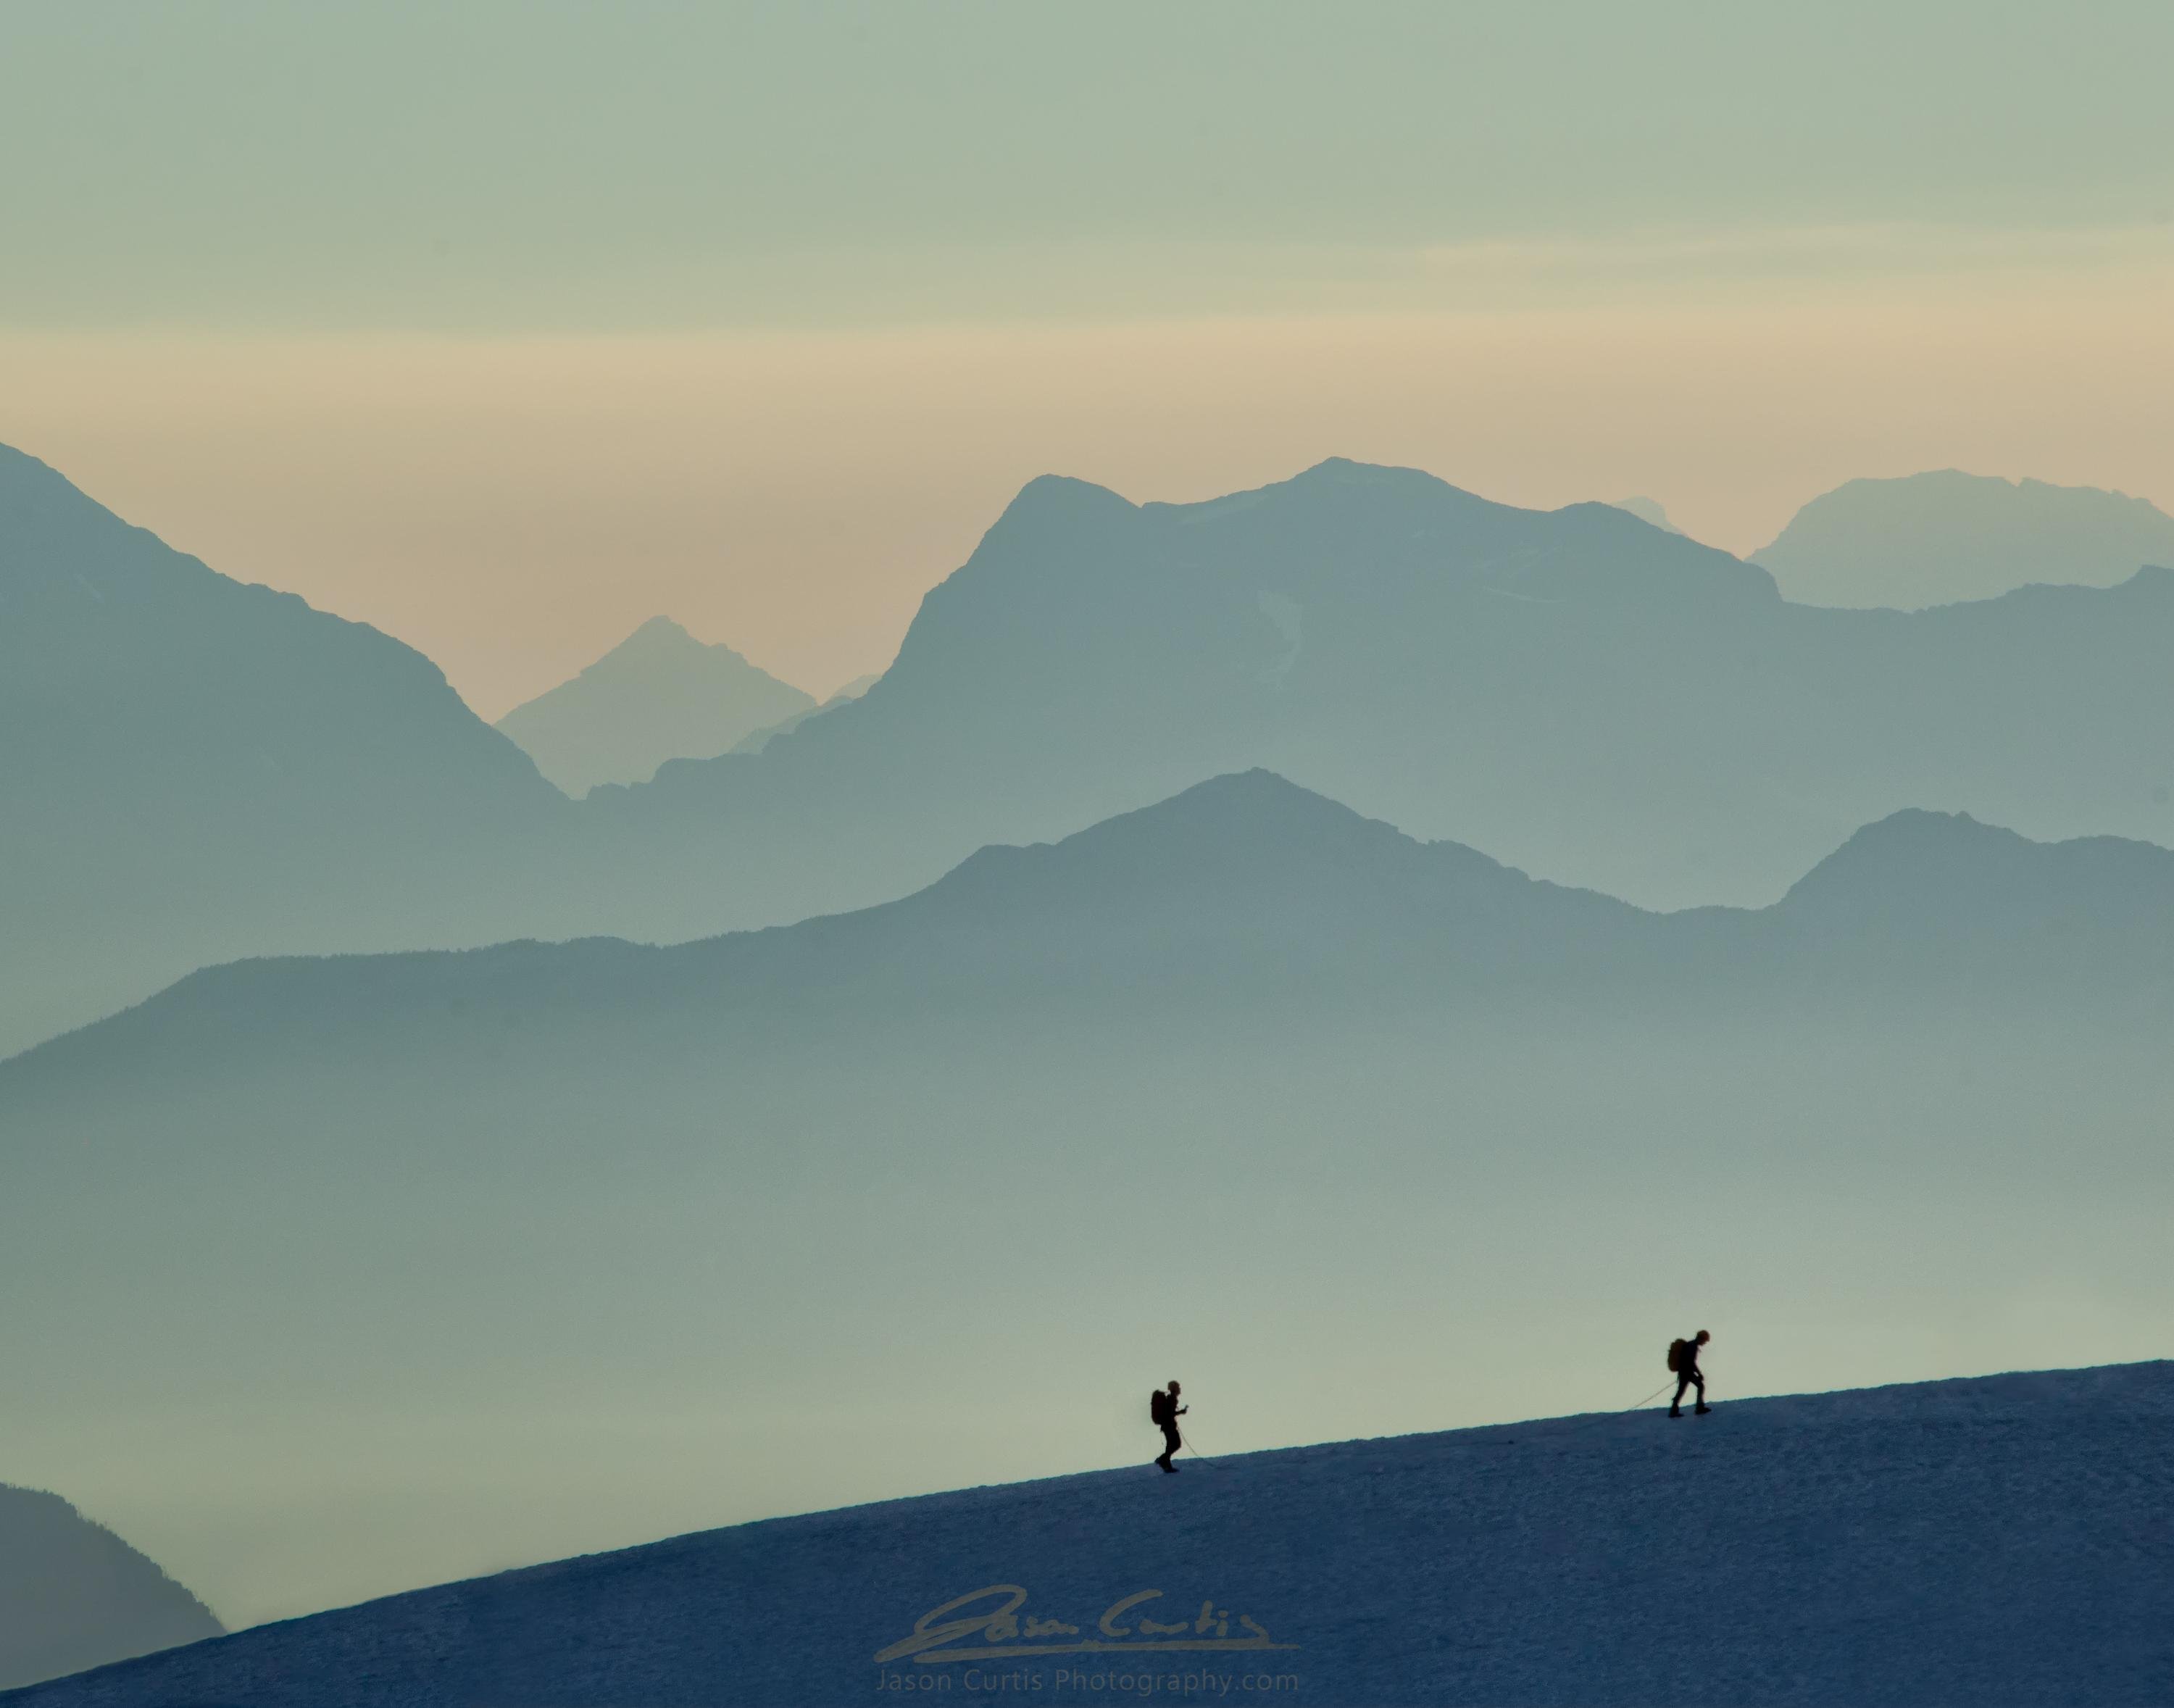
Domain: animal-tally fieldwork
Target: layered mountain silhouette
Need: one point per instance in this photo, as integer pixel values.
(1997, 1539)
(189, 765)
(199, 770)
(1244, 1074)
(1596, 701)
(1648, 509)
(1243, 893)
(757, 740)
(73, 1595)
(659, 695)
(1935, 538)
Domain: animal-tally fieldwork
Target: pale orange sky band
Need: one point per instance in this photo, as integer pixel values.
(512, 506)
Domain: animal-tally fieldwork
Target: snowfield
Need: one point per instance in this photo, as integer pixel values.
(2002, 1539)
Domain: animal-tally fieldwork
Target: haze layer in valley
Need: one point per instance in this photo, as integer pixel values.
(1355, 1133)
(197, 770)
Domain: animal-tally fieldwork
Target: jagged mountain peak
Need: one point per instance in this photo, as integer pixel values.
(662, 643)
(1945, 536)
(1990, 891)
(659, 695)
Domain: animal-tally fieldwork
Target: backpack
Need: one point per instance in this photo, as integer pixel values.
(1678, 1351)
(1158, 1406)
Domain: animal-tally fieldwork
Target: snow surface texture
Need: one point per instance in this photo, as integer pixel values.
(2002, 1539)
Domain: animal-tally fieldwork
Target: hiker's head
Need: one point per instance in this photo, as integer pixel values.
(1173, 1385)
(1703, 1337)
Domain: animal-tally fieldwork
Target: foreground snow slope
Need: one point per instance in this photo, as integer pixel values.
(1999, 1539)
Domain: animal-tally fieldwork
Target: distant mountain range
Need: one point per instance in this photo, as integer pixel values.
(2019, 1519)
(1247, 1076)
(1589, 697)
(197, 770)
(189, 766)
(659, 695)
(73, 1595)
(1326, 1072)
(1935, 538)
(1245, 893)
(1648, 509)
(756, 741)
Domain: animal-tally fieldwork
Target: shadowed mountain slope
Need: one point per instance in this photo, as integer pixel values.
(659, 695)
(73, 1595)
(1242, 889)
(1243, 893)
(757, 740)
(1935, 538)
(2000, 1539)
(1648, 509)
(1347, 1088)
(190, 767)
(1595, 700)
(1941, 885)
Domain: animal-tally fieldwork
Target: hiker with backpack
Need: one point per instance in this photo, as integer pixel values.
(1163, 1409)
(1683, 1366)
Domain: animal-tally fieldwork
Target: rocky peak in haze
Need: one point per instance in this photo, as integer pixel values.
(1938, 537)
(1648, 510)
(659, 695)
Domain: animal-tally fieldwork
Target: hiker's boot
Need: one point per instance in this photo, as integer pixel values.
(1674, 1413)
(1702, 1408)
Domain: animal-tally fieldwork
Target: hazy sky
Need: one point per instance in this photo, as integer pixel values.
(507, 325)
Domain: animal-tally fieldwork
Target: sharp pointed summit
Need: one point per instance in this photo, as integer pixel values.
(660, 694)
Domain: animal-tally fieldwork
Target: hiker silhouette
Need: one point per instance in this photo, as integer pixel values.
(1683, 1363)
(1163, 1409)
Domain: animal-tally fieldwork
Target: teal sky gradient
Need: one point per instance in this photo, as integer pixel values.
(498, 165)
(507, 327)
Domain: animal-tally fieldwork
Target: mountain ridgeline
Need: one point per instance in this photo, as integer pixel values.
(190, 768)
(1594, 700)
(1935, 538)
(73, 1595)
(659, 695)
(1268, 1082)
(1338, 1081)
(198, 770)
(1242, 894)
